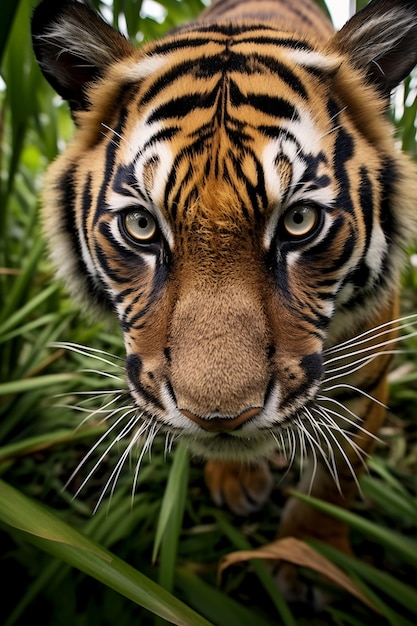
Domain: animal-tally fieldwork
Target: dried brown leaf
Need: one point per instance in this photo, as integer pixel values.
(299, 553)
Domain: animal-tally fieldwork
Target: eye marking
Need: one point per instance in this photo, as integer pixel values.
(139, 226)
(300, 221)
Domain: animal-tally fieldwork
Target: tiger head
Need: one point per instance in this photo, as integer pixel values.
(234, 195)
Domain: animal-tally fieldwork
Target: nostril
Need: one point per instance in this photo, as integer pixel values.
(222, 424)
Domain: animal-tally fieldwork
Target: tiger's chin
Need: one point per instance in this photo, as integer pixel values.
(231, 447)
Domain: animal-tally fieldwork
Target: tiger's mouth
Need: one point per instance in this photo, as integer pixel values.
(222, 424)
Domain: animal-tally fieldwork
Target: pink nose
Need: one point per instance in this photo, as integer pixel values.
(222, 424)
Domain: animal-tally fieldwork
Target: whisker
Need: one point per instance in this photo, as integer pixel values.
(81, 409)
(357, 364)
(355, 422)
(302, 451)
(101, 373)
(114, 476)
(89, 352)
(115, 133)
(308, 437)
(356, 390)
(332, 424)
(169, 442)
(329, 462)
(373, 348)
(401, 322)
(343, 453)
(124, 431)
(146, 448)
(291, 447)
(99, 410)
(279, 442)
(94, 394)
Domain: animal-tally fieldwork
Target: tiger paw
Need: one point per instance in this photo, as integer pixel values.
(242, 487)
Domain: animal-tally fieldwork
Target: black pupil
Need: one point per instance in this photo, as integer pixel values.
(298, 218)
(143, 222)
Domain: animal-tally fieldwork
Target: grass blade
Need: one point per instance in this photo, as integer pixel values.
(405, 548)
(47, 532)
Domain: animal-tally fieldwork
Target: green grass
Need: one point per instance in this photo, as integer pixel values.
(150, 551)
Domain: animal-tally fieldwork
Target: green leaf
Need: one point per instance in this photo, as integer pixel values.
(37, 382)
(8, 10)
(174, 496)
(221, 609)
(47, 532)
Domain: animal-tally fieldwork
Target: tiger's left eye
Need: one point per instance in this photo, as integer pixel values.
(300, 221)
(140, 225)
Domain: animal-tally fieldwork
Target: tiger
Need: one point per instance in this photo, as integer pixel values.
(234, 195)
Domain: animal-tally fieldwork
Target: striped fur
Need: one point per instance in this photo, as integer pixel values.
(251, 152)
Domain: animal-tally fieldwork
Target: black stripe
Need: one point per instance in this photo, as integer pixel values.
(343, 152)
(366, 195)
(183, 105)
(134, 371)
(312, 366)
(166, 134)
(294, 44)
(125, 182)
(389, 179)
(109, 165)
(273, 106)
(166, 80)
(94, 286)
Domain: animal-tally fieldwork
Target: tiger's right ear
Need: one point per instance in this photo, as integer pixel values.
(74, 47)
(381, 40)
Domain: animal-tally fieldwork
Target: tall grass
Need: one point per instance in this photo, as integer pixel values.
(150, 551)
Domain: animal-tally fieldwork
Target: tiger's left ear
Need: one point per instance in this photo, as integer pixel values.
(381, 39)
(74, 47)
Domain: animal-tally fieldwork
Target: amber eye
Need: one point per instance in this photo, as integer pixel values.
(140, 225)
(300, 221)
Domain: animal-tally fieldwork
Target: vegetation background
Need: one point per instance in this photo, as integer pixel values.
(55, 558)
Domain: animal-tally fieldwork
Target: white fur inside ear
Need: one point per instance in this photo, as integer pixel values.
(75, 38)
(383, 32)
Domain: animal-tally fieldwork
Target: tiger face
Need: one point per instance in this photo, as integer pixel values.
(234, 195)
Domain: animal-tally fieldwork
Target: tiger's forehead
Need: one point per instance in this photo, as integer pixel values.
(229, 118)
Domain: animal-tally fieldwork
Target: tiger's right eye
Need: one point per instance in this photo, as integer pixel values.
(140, 226)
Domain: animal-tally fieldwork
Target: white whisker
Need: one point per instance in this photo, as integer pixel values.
(371, 334)
(114, 476)
(356, 390)
(89, 352)
(374, 348)
(94, 395)
(357, 364)
(99, 410)
(355, 422)
(329, 461)
(332, 424)
(146, 448)
(169, 442)
(115, 133)
(124, 431)
(343, 453)
(101, 373)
